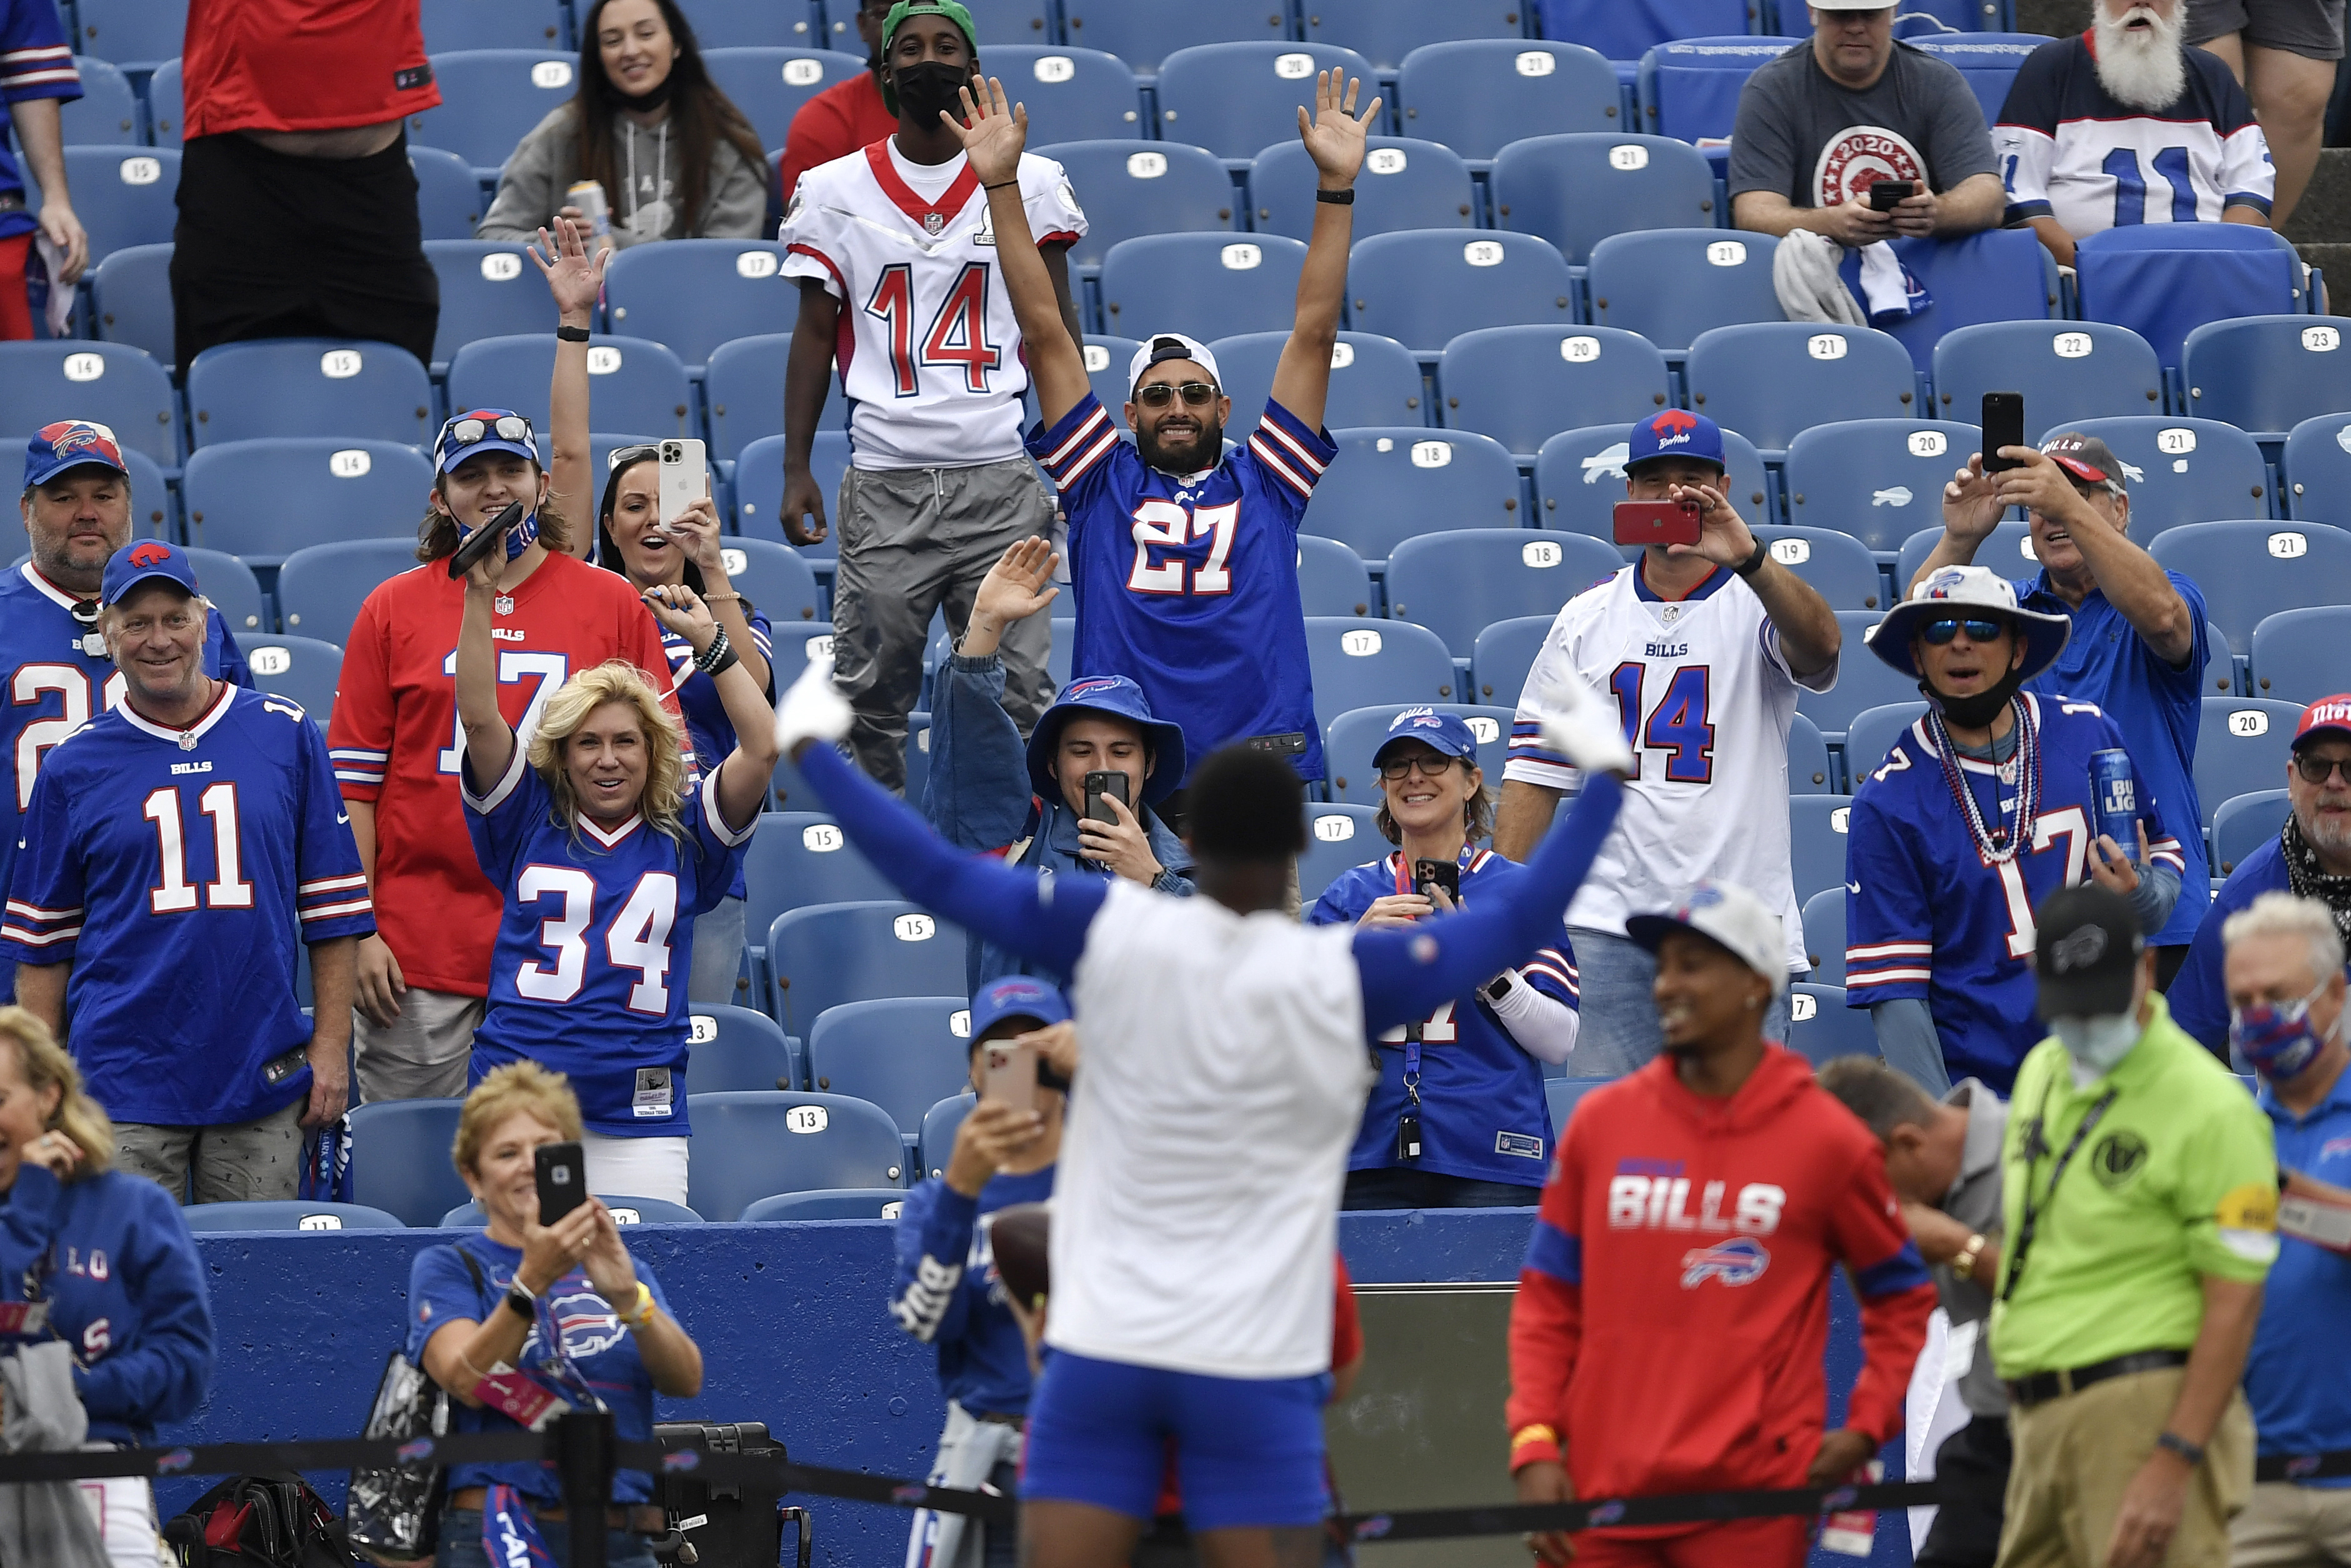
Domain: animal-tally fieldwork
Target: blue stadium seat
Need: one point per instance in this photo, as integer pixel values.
(134, 34)
(1476, 94)
(636, 385)
(743, 384)
(490, 289)
(901, 1053)
(1071, 94)
(2251, 569)
(1522, 385)
(1203, 285)
(760, 489)
(1331, 580)
(736, 1048)
(165, 100)
(132, 292)
(2243, 824)
(1865, 683)
(321, 586)
(452, 25)
(821, 957)
(1689, 88)
(1001, 22)
(939, 1124)
(1990, 61)
(1373, 380)
(692, 295)
(1502, 656)
(1670, 284)
(1426, 288)
(230, 584)
(2302, 655)
(1355, 738)
(1457, 582)
(1999, 274)
(1107, 358)
(1130, 191)
(1824, 916)
(311, 386)
(847, 1203)
(1835, 563)
(2067, 371)
(1387, 485)
(107, 113)
(490, 99)
(1404, 184)
(1575, 190)
(1339, 837)
(2266, 374)
(2008, 551)
(449, 200)
(798, 642)
(1386, 32)
(123, 195)
(1560, 1094)
(2182, 470)
(1143, 36)
(1816, 830)
(1580, 477)
(112, 383)
(2165, 280)
(2242, 745)
(625, 1212)
(797, 860)
(1769, 380)
(1874, 732)
(302, 668)
(401, 1158)
(2314, 470)
(1235, 98)
(773, 577)
(1811, 770)
(750, 1145)
(769, 85)
(1877, 479)
(1821, 1028)
(1358, 664)
(1627, 29)
(748, 23)
(212, 1218)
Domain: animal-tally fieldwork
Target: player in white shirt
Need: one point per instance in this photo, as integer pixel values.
(1702, 648)
(896, 265)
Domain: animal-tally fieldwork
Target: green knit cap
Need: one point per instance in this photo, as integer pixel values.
(952, 11)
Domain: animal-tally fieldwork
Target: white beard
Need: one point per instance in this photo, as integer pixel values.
(2145, 70)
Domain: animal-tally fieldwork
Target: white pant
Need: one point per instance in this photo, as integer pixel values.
(635, 1167)
(124, 1508)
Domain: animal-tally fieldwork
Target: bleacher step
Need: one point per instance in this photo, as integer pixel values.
(2322, 219)
(2057, 18)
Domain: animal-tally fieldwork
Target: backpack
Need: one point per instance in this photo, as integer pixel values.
(259, 1522)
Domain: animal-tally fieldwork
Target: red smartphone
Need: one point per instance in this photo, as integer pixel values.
(1658, 522)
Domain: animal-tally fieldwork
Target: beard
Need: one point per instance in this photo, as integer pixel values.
(2329, 833)
(2143, 67)
(1191, 456)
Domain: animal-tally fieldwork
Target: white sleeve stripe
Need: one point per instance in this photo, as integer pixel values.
(1306, 460)
(1888, 950)
(19, 935)
(46, 52)
(38, 78)
(34, 912)
(347, 775)
(333, 910)
(356, 753)
(717, 819)
(1265, 455)
(330, 884)
(1853, 982)
(486, 804)
(1079, 467)
(1077, 438)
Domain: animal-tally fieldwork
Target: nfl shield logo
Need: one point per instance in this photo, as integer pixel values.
(933, 221)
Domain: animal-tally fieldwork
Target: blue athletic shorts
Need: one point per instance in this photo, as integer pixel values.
(1249, 1451)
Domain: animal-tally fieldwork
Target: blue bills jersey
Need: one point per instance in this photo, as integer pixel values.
(705, 711)
(588, 977)
(179, 873)
(1928, 914)
(1187, 584)
(1483, 1115)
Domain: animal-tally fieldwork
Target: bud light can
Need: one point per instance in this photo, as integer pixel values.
(588, 197)
(2114, 798)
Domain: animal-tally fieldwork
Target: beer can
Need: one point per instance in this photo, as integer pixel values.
(588, 197)
(2114, 798)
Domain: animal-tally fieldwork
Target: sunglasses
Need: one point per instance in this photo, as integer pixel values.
(1938, 632)
(1159, 394)
(2315, 769)
(621, 455)
(1427, 764)
(508, 427)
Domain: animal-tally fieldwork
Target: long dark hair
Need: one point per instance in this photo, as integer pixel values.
(438, 535)
(608, 553)
(704, 116)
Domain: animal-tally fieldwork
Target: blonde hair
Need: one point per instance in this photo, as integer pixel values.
(613, 680)
(517, 1087)
(44, 1063)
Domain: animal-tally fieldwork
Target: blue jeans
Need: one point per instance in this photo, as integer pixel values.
(461, 1543)
(1619, 1034)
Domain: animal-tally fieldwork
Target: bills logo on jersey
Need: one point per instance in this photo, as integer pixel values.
(1857, 158)
(1662, 1203)
(586, 1322)
(1739, 1262)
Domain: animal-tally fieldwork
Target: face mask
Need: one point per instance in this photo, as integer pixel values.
(518, 537)
(928, 89)
(645, 102)
(2097, 1043)
(1975, 711)
(2275, 1038)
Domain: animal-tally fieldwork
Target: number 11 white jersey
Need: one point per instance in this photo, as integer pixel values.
(928, 347)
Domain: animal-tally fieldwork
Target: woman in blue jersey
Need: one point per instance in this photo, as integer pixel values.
(606, 852)
(1458, 1119)
(509, 1294)
(108, 1259)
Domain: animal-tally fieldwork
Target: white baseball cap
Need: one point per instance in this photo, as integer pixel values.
(1851, 5)
(1729, 916)
(1172, 346)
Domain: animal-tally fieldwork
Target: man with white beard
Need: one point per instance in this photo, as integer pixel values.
(2125, 124)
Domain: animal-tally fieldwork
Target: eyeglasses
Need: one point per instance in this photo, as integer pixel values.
(1427, 764)
(508, 427)
(2315, 769)
(1937, 632)
(1158, 394)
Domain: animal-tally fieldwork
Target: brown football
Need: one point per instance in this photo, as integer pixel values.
(1018, 1235)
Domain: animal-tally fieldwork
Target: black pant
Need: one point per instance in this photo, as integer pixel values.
(269, 245)
(1401, 1186)
(1973, 1469)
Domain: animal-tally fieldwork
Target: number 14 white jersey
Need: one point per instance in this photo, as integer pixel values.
(928, 348)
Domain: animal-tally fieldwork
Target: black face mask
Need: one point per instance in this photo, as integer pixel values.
(1975, 711)
(645, 101)
(928, 89)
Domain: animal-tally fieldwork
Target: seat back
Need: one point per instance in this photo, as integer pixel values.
(938, 1134)
(1577, 188)
(488, 289)
(743, 382)
(132, 293)
(1821, 1028)
(1875, 479)
(2243, 824)
(1202, 284)
(1989, 61)
(1838, 566)
(321, 586)
(1457, 582)
(749, 1144)
(2067, 371)
(1146, 35)
(1387, 485)
(1235, 98)
(107, 113)
(1769, 380)
(2007, 549)
(1628, 29)
(2302, 655)
(1824, 936)
(799, 859)
(491, 99)
(302, 668)
(773, 578)
(903, 1053)
(1817, 828)
(1502, 656)
(1354, 739)
(452, 25)
(834, 953)
(1872, 733)
(1671, 284)
(1165, 187)
(1426, 288)
(2165, 294)
(770, 83)
(310, 386)
(1580, 477)
(2251, 569)
(638, 386)
(692, 295)
(401, 1158)
(1339, 836)
(111, 384)
(2315, 471)
(2268, 373)
(1474, 95)
(233, 588)
(132, 33)
(1998, 275)
(1074, 94)
(1331, 580)
(1373, 380)
(1689, 88)
(264, 500)
(1811, 770)
(449, 201)
(212, 1218)
(2242, 746)
(847, 1203)
(735, 1047)
(1405, 185)
(1385, 32)
(1562, 1094)
(1107, 358)
(1522, 385)
(749, 24)
(2182, 470)
(165, 99)
(1001, 22)
(759, 487)
(1356, 664)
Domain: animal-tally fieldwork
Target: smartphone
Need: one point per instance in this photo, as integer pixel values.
(1884, 194)
(2003, 426)
(684, 476)
(1659, 522)
(562, 1173)
(1008, 1075)
(1444, 874)
(1099, 784)
(490, 535)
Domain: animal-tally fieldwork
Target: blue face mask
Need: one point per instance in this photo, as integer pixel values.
(2276, 1038)
(518, 538)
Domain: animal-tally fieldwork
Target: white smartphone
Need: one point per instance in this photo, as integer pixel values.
(684, 476)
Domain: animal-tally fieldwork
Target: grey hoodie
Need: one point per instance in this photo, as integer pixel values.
(532, 186)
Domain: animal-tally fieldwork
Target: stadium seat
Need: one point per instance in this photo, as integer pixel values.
(490, 289)
(1387, 485)
(1575, 190)
(1339, 837)
(847, 1203)
(452, 25)
(748, 23)
(1070, 94)
(1824, 916)
(1998, 275)
(692, 295)
(301, 668)
(2314, 470)
(399, 1158)
(112, 383)
(1404, 184)
(1769, 380)
(901, 1053)
(491, 99)
(2266, 374)
(1357, 664)
(738, 1048)
(2182, 470)
(1670, 284)
(2243, 824)
(2249, 570)
(1426, 288)
(2164, 280)
(123, 195)
(2302, 655)
(1373, 380)
(1457, 582)
(235, 591)
(751, 1145)
(760, 489)
(212, 1218)
(1821, 1028)
(132, 292)
(796, 643)
(1107, 358)
(1837, 565)
(1811, 770)
(797, 860)
(107, 113)
(773, 578)
(1203, 285)
(1385, 32)
(1627, 29)
(1560, 1094)
(635, 385)
(1474, 95)
(449, 200)
(1129, 190)
(1354, 738)
(1502, 656)
(312, 386)
(625, 1212)
(1688, 88)
(1879, 480)
(769, 85)
(821, 957)
(321, 586)
(2007, 550)
(1001, 22)
(1816, 829)
(1873, 734)
(1143, 36)
(743, 384)
(1522, 385)
(1331, 580)
(2067, 371)
(163, 108)
(1580, 477)
(2242, 745)
(137, 34)
(939, 1124)
(1989, 61)
(1234, 99)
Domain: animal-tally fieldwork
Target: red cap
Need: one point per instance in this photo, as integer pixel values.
(2327, 716)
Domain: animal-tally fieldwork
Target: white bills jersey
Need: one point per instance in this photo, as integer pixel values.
(1706, 696)
(928, 348)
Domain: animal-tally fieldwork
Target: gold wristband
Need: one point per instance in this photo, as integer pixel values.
(641, 1311)
(1964, 1266)
(1533, 1433)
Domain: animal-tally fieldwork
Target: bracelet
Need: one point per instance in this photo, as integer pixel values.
(718, 656)
(1001, 183)
(571, 334)
(1533, 1433)
(641, 1311)
(2179, 1445)
(1336, 198)
(1754, 563)
(715, 598)
(1964, 1266)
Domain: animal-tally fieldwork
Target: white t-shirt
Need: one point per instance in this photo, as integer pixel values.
(930, 350)
(1707, 695)
(1196, 1203)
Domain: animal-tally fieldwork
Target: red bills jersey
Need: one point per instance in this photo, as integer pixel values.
(1674, 1308)
(395, 742)
(303, 65)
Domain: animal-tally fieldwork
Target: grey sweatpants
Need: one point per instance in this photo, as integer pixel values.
(912, 542)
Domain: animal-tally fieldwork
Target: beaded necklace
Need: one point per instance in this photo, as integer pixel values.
(1996, 844)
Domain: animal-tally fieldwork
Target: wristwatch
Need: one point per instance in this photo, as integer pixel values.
(2179, 1445)
(1499, 987)
(521, 1303)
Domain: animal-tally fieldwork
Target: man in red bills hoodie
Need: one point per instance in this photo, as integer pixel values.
(1674, 1304)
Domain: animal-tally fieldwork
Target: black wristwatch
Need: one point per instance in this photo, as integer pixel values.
(1499, 987)
(571, 334)
(1336, 198)
(1754, 563)
(521, 1303)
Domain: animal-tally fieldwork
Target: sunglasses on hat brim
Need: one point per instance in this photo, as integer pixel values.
(467, 432)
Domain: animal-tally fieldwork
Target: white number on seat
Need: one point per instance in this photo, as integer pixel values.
(1335, 829)
(501, 267)
(83, 367)
(821, 838)
(2071, 345)
(1928, 444)
(807, 1119)
(352, 462)
(913, 927)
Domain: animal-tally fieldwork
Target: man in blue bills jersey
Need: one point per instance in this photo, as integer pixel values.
(77, 509)
(178, 852)
(1982, 808)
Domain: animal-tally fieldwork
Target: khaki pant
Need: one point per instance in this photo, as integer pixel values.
(2075, 1456)
(2287, 1526)
(421, 1054)
(252, 1161)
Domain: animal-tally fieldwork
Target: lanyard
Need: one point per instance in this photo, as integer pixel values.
(2034, 1147)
